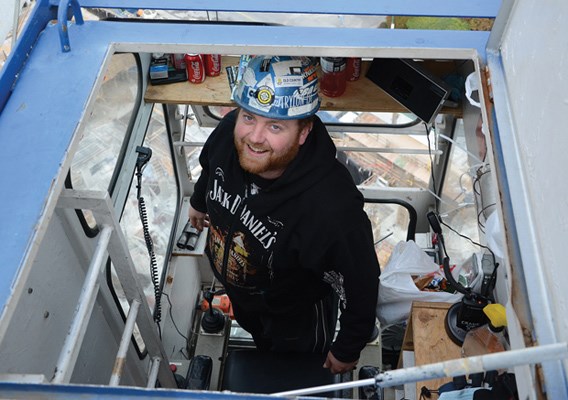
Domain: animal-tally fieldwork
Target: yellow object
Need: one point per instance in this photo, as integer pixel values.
(496, 314)
(488, 338)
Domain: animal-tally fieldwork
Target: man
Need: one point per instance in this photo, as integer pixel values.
(287, 231)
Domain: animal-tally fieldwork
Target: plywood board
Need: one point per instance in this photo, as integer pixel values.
(430, 341)
(360, 95)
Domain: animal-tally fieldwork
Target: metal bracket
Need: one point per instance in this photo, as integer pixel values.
(62, 21)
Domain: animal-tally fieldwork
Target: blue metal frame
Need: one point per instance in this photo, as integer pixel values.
(50, 91)
(62, 21)
(429, 8)
(524, 253)
(30, 391)
(45, 93)
(41, 14)
(524, 256)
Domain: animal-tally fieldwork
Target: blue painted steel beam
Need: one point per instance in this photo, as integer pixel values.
(41, 14)
(31, 391)
(284, 40)
(432, 8)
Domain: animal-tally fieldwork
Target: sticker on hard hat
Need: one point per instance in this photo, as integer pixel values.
(265, 95)
(289, 81)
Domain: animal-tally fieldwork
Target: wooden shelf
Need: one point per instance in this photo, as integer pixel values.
(360, 95)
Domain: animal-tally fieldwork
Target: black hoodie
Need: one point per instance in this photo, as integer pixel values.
(278, 244)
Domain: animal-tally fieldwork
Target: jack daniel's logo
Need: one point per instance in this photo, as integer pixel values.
(231, 202)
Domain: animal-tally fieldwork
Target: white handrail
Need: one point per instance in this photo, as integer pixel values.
(124, 342)
(100, 204)
(153, 374)
(458, 367)
(81, 317)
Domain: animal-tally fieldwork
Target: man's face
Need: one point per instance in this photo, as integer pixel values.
(266, 146)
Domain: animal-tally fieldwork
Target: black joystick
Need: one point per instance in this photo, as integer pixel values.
(213, 320)
(468, 313)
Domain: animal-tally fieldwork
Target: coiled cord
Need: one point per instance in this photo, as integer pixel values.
(144, 155)
(153, 263)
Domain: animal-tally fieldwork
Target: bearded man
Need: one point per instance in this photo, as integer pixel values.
(288, 236)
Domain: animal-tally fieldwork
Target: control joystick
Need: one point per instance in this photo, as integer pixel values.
(213, 320)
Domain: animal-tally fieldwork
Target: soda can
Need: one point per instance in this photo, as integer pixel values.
(353, 68)
(212, 64)
(178, 61)
(195, 68)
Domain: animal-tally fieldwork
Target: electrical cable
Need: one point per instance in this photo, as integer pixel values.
(144, 155)
(482, 226)
(477, 180)
(426, 393)
(153, 263)
(172, 318)
(383, 238)
(495, 263)
(433, 191)
(434, 187)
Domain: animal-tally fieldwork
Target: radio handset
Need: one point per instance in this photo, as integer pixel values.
(144, 155)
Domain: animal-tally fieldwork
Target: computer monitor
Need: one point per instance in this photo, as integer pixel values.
(411, 85)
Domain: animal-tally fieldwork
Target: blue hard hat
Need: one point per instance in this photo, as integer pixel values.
(279, 87)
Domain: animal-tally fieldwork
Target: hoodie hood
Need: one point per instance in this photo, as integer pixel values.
(315, 160)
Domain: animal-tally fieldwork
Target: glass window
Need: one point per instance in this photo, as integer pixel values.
(106, 127)
(197, 135)
(458, 207)
(390, 226)
(160, 193)
(389, 150)
(379, 149)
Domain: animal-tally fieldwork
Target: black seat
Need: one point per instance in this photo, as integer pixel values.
(252, 371)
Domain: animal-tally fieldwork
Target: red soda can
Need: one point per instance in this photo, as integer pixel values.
(212, 64)
(195, 68)
(353, 68)
(178, 61)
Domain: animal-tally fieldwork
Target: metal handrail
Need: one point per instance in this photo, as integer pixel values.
(124, 342)
(451, 368)
(413, 216)
(100, 204)
(72, 345)
(62, 21)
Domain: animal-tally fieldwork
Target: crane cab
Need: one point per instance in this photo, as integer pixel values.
(103, 296)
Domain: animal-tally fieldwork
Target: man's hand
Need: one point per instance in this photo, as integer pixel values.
(338, 367)
(198, 219)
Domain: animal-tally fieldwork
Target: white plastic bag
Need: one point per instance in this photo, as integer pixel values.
(397, 289)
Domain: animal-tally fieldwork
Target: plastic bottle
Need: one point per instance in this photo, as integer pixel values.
(488, 338)
(334, 76)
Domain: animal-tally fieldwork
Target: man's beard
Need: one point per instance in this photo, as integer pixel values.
(267, 164)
